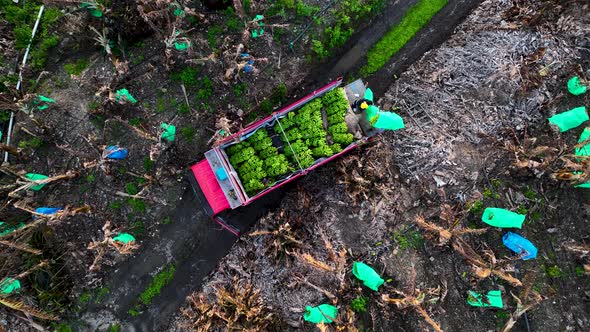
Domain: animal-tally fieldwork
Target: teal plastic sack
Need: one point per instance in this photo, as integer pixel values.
(570, 119)
(575, 87)
(583, 185)
(124, 238)
(324, 313)
(367, 275)
(36, 177)
(492, 299)
(369, 94)
(7, 229)
(9, 285)
(502, 218)
(124, 95)
(371, 112)
(584, 150)
(182, 46)
(389, 121)
(169, 131)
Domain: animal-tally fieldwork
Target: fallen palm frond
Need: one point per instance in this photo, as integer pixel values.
(532, 300)
(309, 259)
(28, 183)
(445, 235)
(236, 307)
(583, 252)
(413, 301)
(21, 247)
(283, 242)
(20, 306)
(484, 268)
(102, 246)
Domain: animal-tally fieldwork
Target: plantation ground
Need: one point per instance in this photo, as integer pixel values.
(464, 104)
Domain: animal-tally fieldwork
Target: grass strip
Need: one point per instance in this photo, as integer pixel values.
(160, 280)
(398, 36)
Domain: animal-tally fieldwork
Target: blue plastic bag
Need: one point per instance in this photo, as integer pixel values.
(520, 245)
(117, 152)
(46, 210)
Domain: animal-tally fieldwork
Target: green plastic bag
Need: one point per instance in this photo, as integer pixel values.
(492, 299)
(124, 95)
(124, 238)
(389, 121)
(36, 177)
(583, 185)
(368, 94)
(570, 119)
(178, 12)
(9, 285)
(502, 218)
(367, 275)
(584, 150)
(8, 229)
(169, 131)
(46, 99)
(576, 87)
(324, 313)
(183, 46)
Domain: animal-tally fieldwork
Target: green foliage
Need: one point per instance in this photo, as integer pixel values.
(502, 315)
(206, 88)
(167, 221)
(335, 148)
(137, 204)
(408, 239)
(160, 280)
(116, 205)
(277, 165)
(580, 271)
(322, 151)
(133, 312)
(305, 10)
(266, 106)
(131, 188)
(342, 139)
(554, 272)
(488, 193)
(279, 94)
(77, 67)
(246, 4)
(240, 89)
(233, 22)
(476, 207)
(148, 164)
(269, 152)
(188, 133)
(102, 292)
(40, 52)
(338, 128)
(84, 298)
(137, 227)
(318, 48)
(242, 156)
(213, 35)
(359, 304)
(63, 327)
(90, 178)
(414, 19)
(522, 209)
(33, 143)
(115, 328)
(22, 36)
(188, 77)
(530, 194)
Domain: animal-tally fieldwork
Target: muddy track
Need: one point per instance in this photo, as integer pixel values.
(195, 243)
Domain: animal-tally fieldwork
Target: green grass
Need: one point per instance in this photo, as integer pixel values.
(188, 76)
(477, 207)
(116, 205)
(580, 272)
(115, 328)
(554, 272)
(33, 143)
(131, 188)
(416, 18)
(166, 221)
(359, 304)
(101, 293)
(90, 178)
(148, 164)
(77, 67)
(408, 239)
(160, 280)
(188, 133)
(133, 312)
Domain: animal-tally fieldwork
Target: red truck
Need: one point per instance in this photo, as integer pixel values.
(227, 181)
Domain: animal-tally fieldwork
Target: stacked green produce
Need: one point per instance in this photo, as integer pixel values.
(260, 164)
(255, 159)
